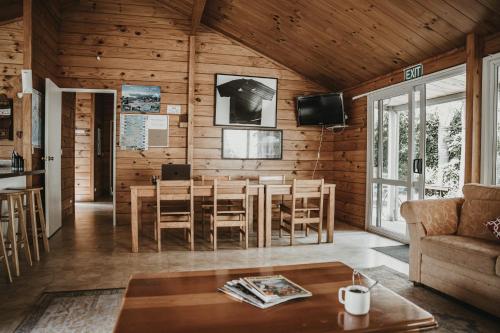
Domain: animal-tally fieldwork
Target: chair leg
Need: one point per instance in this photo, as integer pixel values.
(202, 223)
(307, 230)
(191, 235)
(11, 231)
(24, 231)
(292, 232)
(247, 227)
(41, 219)
(158, 232)
(320, 231)
(3, 253)
(34, 228)
(281, 224)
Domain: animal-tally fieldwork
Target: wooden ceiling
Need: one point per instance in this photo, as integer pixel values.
(341, 43)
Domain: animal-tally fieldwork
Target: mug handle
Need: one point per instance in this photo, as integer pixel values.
(341, 299)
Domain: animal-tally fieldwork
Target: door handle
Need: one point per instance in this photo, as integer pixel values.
(417, 165)
(47, 158)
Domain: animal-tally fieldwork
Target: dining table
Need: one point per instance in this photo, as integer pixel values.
(263, 193)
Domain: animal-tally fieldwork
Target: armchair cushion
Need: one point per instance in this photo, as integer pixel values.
(472, 253)
(438, 216)
(482, 204)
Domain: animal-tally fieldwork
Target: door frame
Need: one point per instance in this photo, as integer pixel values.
(396, 90)
(115, 94)
(489, 103)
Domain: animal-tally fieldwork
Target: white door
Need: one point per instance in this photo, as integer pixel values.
(53, 204)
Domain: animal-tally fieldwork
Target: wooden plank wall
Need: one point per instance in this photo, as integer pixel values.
(11, 63)
(142, 43)
(68, 156)
(84, 147)
(45, 32)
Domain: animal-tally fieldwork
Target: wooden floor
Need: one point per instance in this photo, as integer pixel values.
(92, 254)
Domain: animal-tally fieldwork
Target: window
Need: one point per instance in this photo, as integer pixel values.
(490, 154)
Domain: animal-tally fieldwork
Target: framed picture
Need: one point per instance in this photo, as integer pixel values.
(252, 144)
(141, 99)
(245, 101)
(36, 119)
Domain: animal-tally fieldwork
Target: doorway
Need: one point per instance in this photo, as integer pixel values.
(416, 142)
(93, 147)
(58, 148)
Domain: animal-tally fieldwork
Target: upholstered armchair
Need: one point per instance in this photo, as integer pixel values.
(429, 218)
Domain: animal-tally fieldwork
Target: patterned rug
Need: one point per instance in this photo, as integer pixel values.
(92, 311)
(400, 252)
(452, 316)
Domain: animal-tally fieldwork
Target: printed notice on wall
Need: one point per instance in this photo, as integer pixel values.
(133, 133)
(173, 109)
(140, 132)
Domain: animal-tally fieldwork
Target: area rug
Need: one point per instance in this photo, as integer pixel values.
(400, 252)
(451, 315)
(92, 311)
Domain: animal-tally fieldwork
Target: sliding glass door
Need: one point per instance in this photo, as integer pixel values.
(490, 143)
(395, 163)
(415, 147)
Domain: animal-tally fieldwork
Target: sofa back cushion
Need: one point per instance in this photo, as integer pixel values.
(482, 204)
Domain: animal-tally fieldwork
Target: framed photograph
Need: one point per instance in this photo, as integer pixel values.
(36, 119)
(250, 144)
(141, 99)
(245, 101)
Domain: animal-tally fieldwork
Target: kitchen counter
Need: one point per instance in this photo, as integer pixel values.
(8, 173)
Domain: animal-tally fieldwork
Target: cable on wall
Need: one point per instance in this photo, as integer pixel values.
(319, 151)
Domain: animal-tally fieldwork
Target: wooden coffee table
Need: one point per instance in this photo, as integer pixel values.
(189, 302)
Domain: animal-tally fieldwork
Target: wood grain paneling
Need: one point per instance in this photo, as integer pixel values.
(84, 147)
(143, 43)
(321, 38)
(68, 156)
(11, 63)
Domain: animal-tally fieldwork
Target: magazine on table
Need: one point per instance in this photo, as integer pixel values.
(264, 291)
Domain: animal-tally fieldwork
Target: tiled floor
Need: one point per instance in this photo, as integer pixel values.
(92, 254)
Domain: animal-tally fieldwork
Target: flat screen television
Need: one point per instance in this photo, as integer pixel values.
(321, 110)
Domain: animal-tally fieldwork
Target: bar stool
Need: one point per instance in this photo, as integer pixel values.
(15, 208)
(4, 256)
(38, 226)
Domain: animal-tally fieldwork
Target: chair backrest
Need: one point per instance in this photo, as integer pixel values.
(308, 189)
(174, 190)
(272, 179)
(234, 190)
(210, 179)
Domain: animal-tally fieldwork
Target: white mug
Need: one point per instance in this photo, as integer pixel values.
(356, 300)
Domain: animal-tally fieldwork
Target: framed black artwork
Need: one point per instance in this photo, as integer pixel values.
(245, 101)
(252, 144)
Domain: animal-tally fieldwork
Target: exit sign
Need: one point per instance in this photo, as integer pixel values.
(414, 72)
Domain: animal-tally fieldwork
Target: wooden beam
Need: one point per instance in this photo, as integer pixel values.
(191, 101)
(198, 7)
(27, 64)
(11, 11)
(473, 109)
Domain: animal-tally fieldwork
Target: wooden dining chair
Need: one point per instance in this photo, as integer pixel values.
(207, 203)
(306, 208)
(174, 208)
(236, 215)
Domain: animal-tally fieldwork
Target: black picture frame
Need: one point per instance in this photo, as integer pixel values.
(222, 104)
(246, 155)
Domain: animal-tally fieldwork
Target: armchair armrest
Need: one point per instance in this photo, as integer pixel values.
(426, 218)
(437, 216)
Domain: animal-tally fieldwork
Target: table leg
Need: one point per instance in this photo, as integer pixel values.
(269, 216)
(331, 216)
(134, 220)
(260, 219)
